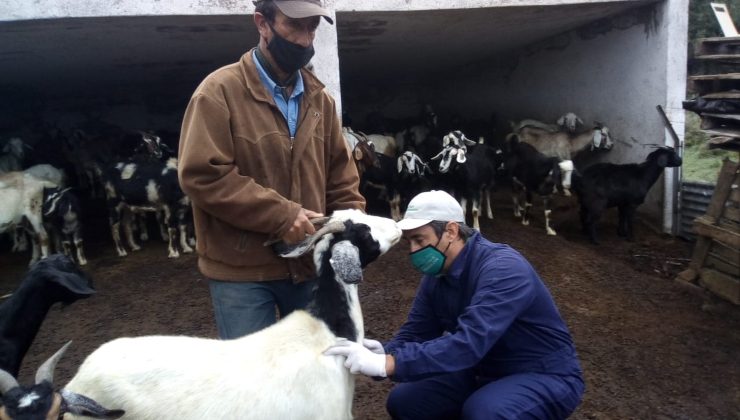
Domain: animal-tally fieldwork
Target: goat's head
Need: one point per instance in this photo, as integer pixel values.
(152, 143)
(372, 236)
(430, 117)
(15, 147)
(570, 122)
(41, 402)
(71, 283)
(602, 139)
(665, 157)
(51, 199)
(363, 150)
(411, 163)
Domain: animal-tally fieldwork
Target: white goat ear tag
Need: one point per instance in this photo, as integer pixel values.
(345, 261)
(358, 154)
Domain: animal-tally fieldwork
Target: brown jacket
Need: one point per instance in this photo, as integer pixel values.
(247, 180)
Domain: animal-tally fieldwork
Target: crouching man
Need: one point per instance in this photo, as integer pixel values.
(483, 340)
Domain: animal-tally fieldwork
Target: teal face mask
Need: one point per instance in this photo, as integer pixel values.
(428, 260)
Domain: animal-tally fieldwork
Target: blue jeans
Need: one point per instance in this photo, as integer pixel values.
(242, 308)
(461, 395)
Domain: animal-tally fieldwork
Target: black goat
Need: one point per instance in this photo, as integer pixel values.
(61, 215)
(54, 279)
(382, 182)
(532, 171)
(606, 185)
(41, 402)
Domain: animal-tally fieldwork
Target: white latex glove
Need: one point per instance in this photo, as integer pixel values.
(359, 358)
(373, 345)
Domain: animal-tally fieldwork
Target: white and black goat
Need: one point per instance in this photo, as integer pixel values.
(51, 280)
(470, 175)
(41, 402)
(62, 218)
(534, 172)
(414, 177)
(132, 187)
(279, 372)
(605, 185)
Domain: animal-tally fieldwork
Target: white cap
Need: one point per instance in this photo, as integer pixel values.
(429, 206)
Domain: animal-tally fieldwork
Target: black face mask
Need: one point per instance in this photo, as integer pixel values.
(288, 55)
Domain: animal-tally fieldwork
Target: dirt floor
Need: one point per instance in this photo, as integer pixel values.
(647, 348)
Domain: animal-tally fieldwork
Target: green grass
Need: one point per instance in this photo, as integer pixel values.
(699, 162)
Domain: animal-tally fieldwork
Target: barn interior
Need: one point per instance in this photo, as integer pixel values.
(605, 61)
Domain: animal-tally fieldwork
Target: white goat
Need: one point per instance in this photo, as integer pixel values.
(22, 195)
(276, 373)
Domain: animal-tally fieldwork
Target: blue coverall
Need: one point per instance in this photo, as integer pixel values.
(484, 341)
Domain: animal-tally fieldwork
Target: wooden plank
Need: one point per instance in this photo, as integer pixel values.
(723, 76)
(732, 94)
(722, 266)
(729, 58)
(731, 213)
(720, 121)
(718, 233)
(718, 40)
(704, 86)
(721, 284)
(721, 116)
(699, 254)
(734, 193)
(726, 132)
(728, 224)
(727, 174)
(724, 252)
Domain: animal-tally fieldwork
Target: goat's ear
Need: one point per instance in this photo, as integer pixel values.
(81, 405)
(345, 261)
(75, 281)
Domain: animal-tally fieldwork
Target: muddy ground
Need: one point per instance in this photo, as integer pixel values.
(647, 348)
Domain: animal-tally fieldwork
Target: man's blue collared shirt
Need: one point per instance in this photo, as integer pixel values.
(289, 108)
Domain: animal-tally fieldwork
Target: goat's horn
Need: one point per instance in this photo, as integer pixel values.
(46, 371)
(319, 221)
(7, 382)
(293, 251)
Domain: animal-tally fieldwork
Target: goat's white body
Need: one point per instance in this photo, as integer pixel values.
(22, 195)
(278, 373)
(46, 172)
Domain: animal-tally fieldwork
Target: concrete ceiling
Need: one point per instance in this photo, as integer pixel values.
(167, 56)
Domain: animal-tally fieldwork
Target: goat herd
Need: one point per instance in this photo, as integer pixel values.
(534, 158)
(134, 173)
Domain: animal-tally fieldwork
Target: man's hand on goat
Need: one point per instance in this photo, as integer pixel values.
(301, 227)
(373, 345)
(359, 358)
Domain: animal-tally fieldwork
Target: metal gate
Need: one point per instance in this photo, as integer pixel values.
(695, 198)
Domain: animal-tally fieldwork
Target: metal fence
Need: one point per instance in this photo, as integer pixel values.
(695, 198)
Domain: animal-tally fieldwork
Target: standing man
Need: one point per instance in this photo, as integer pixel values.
(262, 153)
(483, 340)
